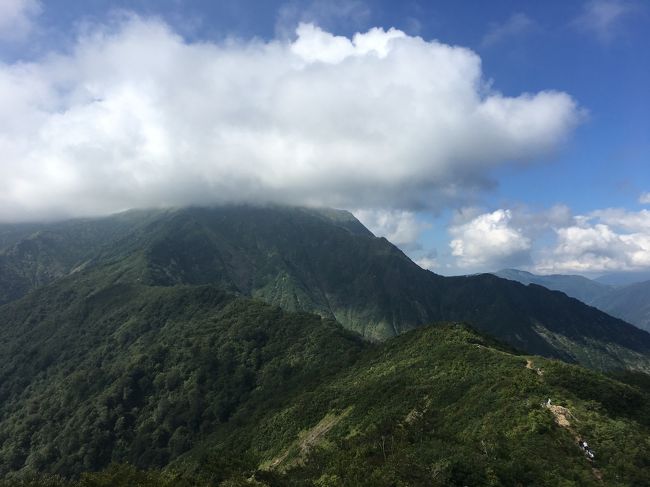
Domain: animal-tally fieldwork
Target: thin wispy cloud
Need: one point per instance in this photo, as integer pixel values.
(515, 26)
(328, 14)
(17, 18)
(604, 18)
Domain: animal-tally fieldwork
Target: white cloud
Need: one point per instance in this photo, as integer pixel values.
(598, 248)
(552, 240)
(604, 18)
(604, 240)
(136, 116)
(489, 241)
(315, 45)
(644, 199)
(516, 25)
(16, 18)
(626, 220)
(400, 227)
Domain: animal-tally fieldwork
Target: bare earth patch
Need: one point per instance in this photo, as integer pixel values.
(561, 415)
(531, 366)
(308, 439)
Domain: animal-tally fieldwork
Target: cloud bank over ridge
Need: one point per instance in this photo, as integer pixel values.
(136, 116)
(552, 241)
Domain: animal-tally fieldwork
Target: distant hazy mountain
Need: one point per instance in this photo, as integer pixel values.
(630, 303)
(623, 278)
(579, 287)
(321, 261)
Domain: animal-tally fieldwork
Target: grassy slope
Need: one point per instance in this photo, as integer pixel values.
(445, 406)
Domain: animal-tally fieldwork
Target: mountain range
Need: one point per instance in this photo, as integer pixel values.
(628, 300)
(623, 278)
(317, 260)
(290, 346)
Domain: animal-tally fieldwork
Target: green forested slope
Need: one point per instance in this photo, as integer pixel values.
(444, 406)
(136, 374)
(34, 255)
(210, 387)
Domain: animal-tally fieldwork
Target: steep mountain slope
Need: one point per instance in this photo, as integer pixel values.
(230, 388)
(630, 303)
(33, 255)
(579, 287)
(325, 261)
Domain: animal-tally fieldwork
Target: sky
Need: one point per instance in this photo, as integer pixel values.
(474, 135)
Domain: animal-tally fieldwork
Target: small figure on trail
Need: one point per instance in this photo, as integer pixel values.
(585, 447)
(548, 402)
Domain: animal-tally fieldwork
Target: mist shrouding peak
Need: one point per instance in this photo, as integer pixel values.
(136, 116)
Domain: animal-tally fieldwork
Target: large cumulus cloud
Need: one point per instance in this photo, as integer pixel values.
(134, 115)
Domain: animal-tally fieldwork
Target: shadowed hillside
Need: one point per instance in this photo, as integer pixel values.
(631, 303)
(579, 287)
(628, 302)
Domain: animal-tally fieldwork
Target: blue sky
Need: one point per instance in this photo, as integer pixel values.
(576, 204)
